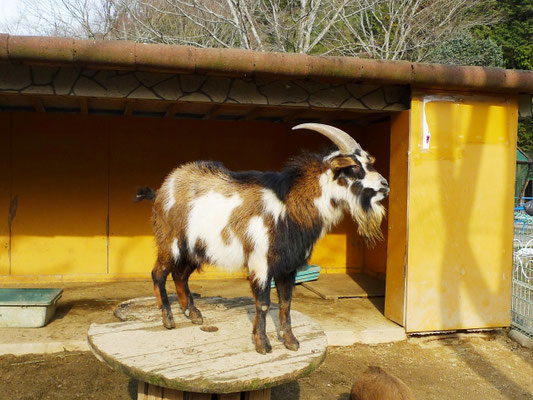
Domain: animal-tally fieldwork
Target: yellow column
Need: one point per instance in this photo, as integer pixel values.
(397, 218)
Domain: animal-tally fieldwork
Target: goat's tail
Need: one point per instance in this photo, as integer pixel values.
(144, 193)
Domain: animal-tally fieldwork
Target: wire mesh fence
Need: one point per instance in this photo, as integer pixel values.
(522, 291)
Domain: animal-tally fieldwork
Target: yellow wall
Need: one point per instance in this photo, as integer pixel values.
(5, 191)
(397, 218)
(377, 142)
(59, 175)
(460, 212)
(75, 178)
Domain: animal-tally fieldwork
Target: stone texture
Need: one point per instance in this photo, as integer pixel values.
(352, 103)
(217, 88)
(14, 77)
(359, 91)
(284, 92)
(394, 94)
(331, 97)
(374, 100)
(169, 89)
(245, 92)
(141, 93)
(196, 96)
(191, 83)
(43, 75)
(88, 87)
(65, 79)
(116, 84)
(312, 87)
(42, 89)
(520, 338)
(395, 107)
(150, 79)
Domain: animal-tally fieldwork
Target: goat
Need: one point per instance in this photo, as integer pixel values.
(376, 384)
(268, 222)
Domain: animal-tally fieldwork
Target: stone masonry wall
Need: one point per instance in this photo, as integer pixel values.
(84, 82)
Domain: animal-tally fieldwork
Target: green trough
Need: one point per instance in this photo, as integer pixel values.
(27, 307)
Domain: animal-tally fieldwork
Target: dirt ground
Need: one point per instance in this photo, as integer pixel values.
(460, 366)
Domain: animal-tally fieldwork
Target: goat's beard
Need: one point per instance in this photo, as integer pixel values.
(369, 222)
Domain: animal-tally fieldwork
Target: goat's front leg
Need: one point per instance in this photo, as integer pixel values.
(284, 286)
(262, 304)
(159, 277)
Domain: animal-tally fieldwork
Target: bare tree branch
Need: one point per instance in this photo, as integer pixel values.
(385, 29)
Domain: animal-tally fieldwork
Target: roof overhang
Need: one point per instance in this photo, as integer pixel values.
(65, 75)
(128, 55)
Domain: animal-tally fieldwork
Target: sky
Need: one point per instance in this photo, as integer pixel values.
(9, 10)
(21, 22)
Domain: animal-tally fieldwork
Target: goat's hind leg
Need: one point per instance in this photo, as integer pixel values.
(181, 280)
(262, 304)
(284, 286)
(159, 277)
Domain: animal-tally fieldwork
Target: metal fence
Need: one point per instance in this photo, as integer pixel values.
(522, 292)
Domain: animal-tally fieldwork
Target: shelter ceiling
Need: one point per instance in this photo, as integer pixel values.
(85, 90)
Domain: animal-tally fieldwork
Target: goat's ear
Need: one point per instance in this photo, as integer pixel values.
(339, 163)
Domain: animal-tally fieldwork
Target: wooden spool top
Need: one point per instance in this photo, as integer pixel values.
(217, 357)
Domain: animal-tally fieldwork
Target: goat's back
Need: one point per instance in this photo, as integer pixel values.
(376, 384)
(215, 212)
(196, 179)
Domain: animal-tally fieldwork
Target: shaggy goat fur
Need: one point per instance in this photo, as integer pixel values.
(267, 222)
(376, 384)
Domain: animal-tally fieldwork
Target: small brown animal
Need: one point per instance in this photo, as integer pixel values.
(376, 384)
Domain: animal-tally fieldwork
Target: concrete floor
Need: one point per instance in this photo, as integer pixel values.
(345, 321)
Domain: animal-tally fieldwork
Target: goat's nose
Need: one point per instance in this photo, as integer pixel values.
(385, 187)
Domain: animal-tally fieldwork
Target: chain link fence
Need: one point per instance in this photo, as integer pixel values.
(522, 291)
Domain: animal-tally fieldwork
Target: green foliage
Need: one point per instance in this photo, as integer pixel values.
(514, 34)
(467, 50)
(525, 134)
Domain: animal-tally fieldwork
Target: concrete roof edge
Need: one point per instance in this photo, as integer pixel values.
(107, 54)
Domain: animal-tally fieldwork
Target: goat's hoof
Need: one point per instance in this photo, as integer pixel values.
(168, 321)
(263, 347)
(292, 344)
(196, 316)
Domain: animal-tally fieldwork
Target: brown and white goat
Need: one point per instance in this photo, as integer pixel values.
(267, 222)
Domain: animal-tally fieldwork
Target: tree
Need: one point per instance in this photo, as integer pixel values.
(468, 50)
(300, 26)
(409, 29)
(515, 35)
(385, 29)
(70, 18)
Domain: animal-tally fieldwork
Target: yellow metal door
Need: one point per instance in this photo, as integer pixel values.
(460, 211)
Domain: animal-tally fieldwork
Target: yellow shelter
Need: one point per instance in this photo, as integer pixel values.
(84, 123)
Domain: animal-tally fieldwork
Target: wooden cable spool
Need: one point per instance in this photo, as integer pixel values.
(216, 360)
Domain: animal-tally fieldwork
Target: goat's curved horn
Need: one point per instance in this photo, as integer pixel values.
(345, 143)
